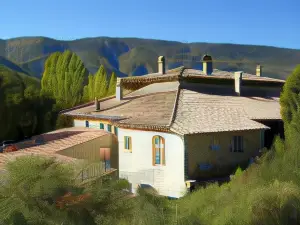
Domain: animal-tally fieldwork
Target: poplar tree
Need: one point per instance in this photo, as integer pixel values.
(100, 83)
(63, 78)
(112, 84)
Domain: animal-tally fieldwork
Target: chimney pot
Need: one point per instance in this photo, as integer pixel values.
(161, 65)
(207, 64)
(238, 76)
(258, 70)
(119, 89)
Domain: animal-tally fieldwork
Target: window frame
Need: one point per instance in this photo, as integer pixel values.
(127, 140)
(215, 144)
(237, 144)
(160, 149)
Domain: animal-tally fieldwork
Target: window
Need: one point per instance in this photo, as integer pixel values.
(127, 143)
(158, 150)
(86, 123)
(116, 131)
(237, 145)
(109, 127)
(101, 126)
(215, 144)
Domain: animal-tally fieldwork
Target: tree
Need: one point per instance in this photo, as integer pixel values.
(97, 85)
(63, 78)
(290, 97)
(100, 83)
(112, 84)
(38, 190)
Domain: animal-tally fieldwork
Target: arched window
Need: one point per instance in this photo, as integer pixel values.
(158, 150)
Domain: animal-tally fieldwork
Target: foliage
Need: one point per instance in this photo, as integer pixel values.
(63, 78)
(64, 121)
(290, 97)
(21, 106)
(112, 84)
(41, 190)
(98, 86)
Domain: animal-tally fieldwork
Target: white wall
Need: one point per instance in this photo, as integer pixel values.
(92, 124)
(136, 166)
(79, 123)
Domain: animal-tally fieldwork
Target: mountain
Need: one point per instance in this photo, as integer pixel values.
(133, 56)
(13, 66)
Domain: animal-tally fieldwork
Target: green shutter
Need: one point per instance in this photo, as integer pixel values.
(101, 126)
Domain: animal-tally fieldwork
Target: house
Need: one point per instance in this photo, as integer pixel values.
(182, 125)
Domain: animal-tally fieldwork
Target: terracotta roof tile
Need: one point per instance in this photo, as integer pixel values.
(54, 142)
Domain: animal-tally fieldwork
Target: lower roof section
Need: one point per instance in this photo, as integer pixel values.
(49, 144)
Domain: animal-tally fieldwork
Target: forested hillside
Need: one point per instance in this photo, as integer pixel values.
(133, 56)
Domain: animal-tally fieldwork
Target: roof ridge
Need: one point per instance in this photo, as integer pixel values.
(174, 111)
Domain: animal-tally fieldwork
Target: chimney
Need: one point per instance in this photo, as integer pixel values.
(258, 70)
(119, 91)
(161, 65)
(207, 64)
(97, 104)
(238, 82)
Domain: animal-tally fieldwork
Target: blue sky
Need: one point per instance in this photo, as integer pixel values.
(262, 22)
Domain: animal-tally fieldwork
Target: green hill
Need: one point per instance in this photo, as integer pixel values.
(133, 56)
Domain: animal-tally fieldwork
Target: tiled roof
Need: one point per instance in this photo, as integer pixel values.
(53, 142)
(201, 113)
(151, 106)
(160, 105)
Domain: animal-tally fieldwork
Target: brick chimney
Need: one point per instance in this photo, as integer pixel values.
(238, 76)
(119, 91)
(207, 64)
(258, 70)
(161, 65)
(97, 104)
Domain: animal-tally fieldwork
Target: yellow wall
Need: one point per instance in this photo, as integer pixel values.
(198, 151)
(90, 150)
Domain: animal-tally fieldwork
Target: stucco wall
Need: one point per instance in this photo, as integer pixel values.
(199, 152)
(136, 166)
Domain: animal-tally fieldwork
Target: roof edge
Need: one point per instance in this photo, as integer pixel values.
(85, 104)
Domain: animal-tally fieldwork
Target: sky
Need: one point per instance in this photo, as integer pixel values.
(258, 22)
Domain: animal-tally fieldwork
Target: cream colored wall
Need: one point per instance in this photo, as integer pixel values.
(198, 151)
(93, 124)
(136, 166)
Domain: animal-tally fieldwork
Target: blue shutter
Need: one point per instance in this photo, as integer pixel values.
(86, 123)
